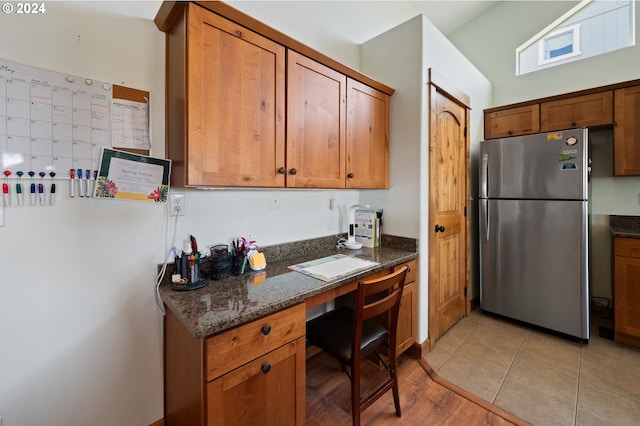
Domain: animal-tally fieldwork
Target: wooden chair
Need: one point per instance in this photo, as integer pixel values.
(351, 336)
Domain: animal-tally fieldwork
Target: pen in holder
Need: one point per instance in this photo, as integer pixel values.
(188, 266)
(238, 263)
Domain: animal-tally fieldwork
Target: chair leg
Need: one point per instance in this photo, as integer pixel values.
(355, 397)
(393, 362)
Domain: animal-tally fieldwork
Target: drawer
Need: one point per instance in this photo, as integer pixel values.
(411, 273)
(231, 349)
(627, 247)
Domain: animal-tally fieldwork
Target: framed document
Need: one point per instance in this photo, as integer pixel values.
(123, 175)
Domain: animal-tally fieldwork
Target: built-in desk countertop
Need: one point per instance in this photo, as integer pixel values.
(236, 300)
(625, 226)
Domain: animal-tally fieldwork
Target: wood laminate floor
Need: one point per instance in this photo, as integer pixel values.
(424, 399)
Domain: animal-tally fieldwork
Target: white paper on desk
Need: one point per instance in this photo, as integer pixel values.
(333, 267)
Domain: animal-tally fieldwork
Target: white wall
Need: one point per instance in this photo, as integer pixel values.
(493, 52)
(405, 69)
(81, 336)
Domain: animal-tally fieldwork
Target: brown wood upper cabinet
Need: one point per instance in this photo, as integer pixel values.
(512, 122)
(367, 137)
(225, 112)
(230, 98)
(626, 132)
(579, 111)
(316, 124)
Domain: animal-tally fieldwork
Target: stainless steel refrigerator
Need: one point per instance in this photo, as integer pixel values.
(533, 230)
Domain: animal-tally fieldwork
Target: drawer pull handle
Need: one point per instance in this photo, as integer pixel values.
(266, 367)
(266, 329)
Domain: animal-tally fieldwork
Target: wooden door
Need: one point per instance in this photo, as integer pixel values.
(235, 105)
(448, 189)
(367, 137)
(626, 132)
(316, 117)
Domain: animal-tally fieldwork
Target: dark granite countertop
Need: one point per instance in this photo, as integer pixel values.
(625, 226)
(239, 299)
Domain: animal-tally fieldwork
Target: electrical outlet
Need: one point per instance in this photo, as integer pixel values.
(176, 205)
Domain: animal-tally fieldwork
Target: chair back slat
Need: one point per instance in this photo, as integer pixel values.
(392, 285)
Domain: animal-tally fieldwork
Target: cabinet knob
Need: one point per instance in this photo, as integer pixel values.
(266, 329)
(293, 171)
(509, 132)
(239, 34)
(282, 170)
(266, 367)
(574, 124)
(350, 175)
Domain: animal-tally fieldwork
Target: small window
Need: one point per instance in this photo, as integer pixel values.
(560, 44)
(590, 28)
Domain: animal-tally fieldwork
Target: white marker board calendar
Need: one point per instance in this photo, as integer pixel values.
(54, 122)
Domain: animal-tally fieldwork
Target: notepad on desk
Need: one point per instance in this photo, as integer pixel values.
(333, 267)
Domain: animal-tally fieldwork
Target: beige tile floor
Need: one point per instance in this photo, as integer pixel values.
(542, 378)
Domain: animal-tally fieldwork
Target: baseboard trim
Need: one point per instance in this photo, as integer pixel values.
(158, 422)
(419, 350)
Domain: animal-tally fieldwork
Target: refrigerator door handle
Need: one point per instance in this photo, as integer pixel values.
(487, 221)
(484, 176)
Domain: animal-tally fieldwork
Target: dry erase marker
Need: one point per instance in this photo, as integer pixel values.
(32, 195)
(94, 179)
(87, 177)
(52, 199)
(19, 189)
(72, 180)
(79, 174)
(41, 189)
(6, 195)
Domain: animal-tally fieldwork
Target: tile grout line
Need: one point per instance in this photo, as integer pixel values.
(457, 346)
(524, 337)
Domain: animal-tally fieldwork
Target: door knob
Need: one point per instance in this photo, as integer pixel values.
(439, 228)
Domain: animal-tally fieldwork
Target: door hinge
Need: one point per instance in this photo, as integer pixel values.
(465, 132)
(465, 211)
(465, 292)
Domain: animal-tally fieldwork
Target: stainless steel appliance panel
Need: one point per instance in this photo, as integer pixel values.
(545, 166)
(533, 257)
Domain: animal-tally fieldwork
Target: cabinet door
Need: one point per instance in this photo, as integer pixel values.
(267, 391)
(367, 137)
(626, 290)
(407, 317)
(627, 300)
(626, 132)
(235, 105)
(316, 116)
(512, 122)
(579, 111)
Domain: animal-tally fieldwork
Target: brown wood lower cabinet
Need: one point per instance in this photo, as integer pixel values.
(267, 391)
(627, 291)
(251, 374)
